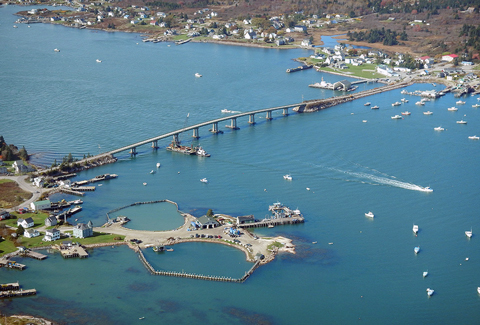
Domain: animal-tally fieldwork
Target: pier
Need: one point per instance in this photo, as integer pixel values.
(9, 290)
(12, 265)
(273, 222)
(35, 255)
(73, 251)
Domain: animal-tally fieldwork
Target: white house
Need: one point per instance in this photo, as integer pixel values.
(161, 14)
(51, 235)
(449, 57)
(306, 42)
(25, 223)
(30, 233)
(41, 205)
(50, 221)
(38, 181)
(250, 35)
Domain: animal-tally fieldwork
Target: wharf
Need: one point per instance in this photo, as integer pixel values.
(84, 188)
(65, 176)
(17, 293)
(300, 68)
(274, 222)
(12, 265)
(9, 286)
(73, 251)
(69, 191)
(78, 186)
(35, 255)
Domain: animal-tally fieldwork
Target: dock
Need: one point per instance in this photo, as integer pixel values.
(35, 255)
(84, 188)
(300, 68)
(9, 286)
(12, 265)
(73, 251)
(69, 191)
(9, 290)
(274, 222)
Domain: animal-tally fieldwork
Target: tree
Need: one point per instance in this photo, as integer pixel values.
(7, 154)
(210, 213)
(23, 153)
(20, 230)
(352, 14)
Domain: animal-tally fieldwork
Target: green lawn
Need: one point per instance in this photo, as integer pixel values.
(97, 238)
(363, 71)
(6, 247)
(38, 219)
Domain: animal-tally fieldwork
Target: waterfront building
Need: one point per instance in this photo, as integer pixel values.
(245, 219)
(41, 205)
(82, 230)
(25, 223)
(50, 221)
(207, 222)
(51, 235)
(20, 167)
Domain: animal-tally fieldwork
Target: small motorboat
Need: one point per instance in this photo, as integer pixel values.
(330, 243)
(404, 100)
(420, 103)
(439, 128)
(396, 104)
(99, 61)
(469, 233)
(226, 110)
(369, 214)
(452, 109)
(158, 165)
(141, 318)
(152, 172)
(364, 121)
(271, 226)
(198, 75)
(144, 184)
(415, 229)
(461, 122)
(476, 105)
(56, 50)
(15, 26)
(204, 180)
(287, 177)
(396, 117)
(478, 290)
(314, 242)
(474, 137)
(308, 188)
(100, 184)
(367, 104)
(427, 113)
(375, 107)
(425, 274)
(416, 249)
(406, 113)
(430, 292)
(460, 102)
(427, 189)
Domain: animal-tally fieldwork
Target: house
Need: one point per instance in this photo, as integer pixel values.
(25, 223)
(51, 235)
(306, 42)
(207, 222)
(50, 221)
(20, 167)
(467, 63)
(38, 181)
(450, 71)
(245, 220)
(449, 57)
(4, 215)
(383, 69)
(41, 205)
(30, 233)
(300, 28)
(3, 170)
(250, 35)
(82, 230)
(280, 41)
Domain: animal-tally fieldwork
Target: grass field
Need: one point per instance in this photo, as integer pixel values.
(362, 71)
(11, 194)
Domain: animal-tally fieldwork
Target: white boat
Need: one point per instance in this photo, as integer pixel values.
(201, 152)
(478, 290)
(469, 233)
(78, 201)
(198, 75)
(369, 214)
(416, 249)
(430, 292)
(474, 137)
(226, 111)
(158, 165)
(396, 117)
(420, 103)
(415, 229)
(425, 100)
(404, 100)
(452, 109)
(427, 189)
(427, 113)
(461, 122)
(204, 180)
(271, 226)
(15, 26)
(396, 104)
(439, 128)
(287, 177)
(99, 61)
(56, 50)
(364, 121)
(476, 105)
(100, 184)
(308, 188)
(145, 184)
(367, 104)
(406, 113)
(152, 172)
(460, 102)
(425, 274)
(375, 107)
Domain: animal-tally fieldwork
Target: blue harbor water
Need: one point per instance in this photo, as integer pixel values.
(55, 103)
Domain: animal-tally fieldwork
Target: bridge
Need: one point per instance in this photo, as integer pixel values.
(214, 128)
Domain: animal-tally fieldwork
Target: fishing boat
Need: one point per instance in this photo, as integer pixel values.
(460, 102)
(452, 109)
(415, 229)
(469, 233)
(476, 105)
(367, 104)
(474, 137)
(158, 165)
(430, 292)
(416, 249)
(396, 104)
(99, 61)
(439, 128)
(425, 274)
(201, 152)
(375, 107)
(406, 113)
(369, 214)
(427, 113)
(420, 103)
(396, 117)
(204, 180)
(198, 75)
(461, 122)
(287, 177)
(158, 248)
(56, 50)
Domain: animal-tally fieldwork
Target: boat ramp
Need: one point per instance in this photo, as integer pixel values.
(9, 290)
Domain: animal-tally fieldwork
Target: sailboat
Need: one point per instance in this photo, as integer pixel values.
(425, 273)
(469, 234)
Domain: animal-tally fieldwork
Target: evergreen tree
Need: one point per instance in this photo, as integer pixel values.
(210, 213)
(20, 230)
(23, 153)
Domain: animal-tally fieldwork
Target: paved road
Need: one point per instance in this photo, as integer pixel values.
(25, 185)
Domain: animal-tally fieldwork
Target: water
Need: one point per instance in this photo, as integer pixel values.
(66, 102)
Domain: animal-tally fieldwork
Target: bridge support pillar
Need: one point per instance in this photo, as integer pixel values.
(285, 112)
(215, 128)
(133, 151)
(269, 115)
(155, 144)
(175, 138)
(233, 124)
(195, 133)
(251, 119)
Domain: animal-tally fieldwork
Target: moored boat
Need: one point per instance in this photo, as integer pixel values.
(474, 137)
(367, 104)
(439, 128)
(427, 113)
(158, 165)
(99, 61)
(460, 102)
(430, 292)
(406, 113)
(375, 107)
(461, 122)
(452, 109)
(415, 229)
(396, 104)
(420, 103)
(396, 117)
(478, 290)
(204, 180)
(425, 274)
(56, 50)
(198, 75)
(369, 214)
(416, 249)
(469, 233)
(287, 177)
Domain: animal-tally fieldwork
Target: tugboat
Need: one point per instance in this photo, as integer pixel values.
(201, 152)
